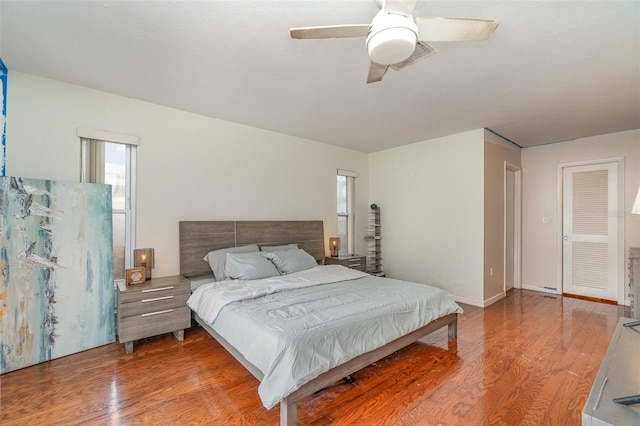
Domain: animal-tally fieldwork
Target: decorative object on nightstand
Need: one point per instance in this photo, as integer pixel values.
(374, 237)
(135, 275)
(154, 307)
(354, 261)
(334, 246)
(145, 258)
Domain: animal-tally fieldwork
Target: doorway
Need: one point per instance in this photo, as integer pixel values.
(512, 225)
(592, 229)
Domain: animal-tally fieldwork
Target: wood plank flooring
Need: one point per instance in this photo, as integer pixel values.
(529, 359)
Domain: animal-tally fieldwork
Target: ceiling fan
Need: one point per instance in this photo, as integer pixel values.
(396, 40)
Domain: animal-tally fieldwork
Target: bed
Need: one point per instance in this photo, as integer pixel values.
(310, 294)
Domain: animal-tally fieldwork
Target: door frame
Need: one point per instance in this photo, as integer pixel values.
(622, 299)
(517, 227)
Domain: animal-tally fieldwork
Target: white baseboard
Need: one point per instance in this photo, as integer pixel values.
(467, 300)
(478, 303)
(494, 299)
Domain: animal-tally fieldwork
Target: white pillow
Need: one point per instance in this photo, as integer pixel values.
(248, 266)
(217, 258)
(279, 248)
(290, 261)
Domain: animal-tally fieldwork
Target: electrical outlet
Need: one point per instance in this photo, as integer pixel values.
(491, 271)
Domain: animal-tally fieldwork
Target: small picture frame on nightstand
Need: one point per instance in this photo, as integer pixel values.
(135, 275)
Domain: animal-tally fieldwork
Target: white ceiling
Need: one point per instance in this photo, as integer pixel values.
(552, 71)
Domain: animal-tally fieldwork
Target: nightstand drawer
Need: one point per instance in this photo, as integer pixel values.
(353, 263)
(153, 302)
(133, 294)
(153, 323)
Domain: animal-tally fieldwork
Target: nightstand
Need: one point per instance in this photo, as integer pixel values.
(354, 261)
(154, 307)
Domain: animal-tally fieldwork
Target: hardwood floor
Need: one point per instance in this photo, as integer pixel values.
(529, 359)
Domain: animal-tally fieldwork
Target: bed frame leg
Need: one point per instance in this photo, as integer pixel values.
(288, 413)
(453, 330)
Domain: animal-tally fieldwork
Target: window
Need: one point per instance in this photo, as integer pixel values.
(346, 195)
(114, 163)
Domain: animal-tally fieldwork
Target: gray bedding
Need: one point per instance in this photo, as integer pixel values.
(294, 335)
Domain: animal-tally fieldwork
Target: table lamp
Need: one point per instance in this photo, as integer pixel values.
(144, 257)
(334, 246)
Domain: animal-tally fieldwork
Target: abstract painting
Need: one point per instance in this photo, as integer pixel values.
(3, 117)
(56, 257)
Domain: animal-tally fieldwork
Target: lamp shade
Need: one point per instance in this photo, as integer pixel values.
(334, 246)
(144, 257)
(636, 205)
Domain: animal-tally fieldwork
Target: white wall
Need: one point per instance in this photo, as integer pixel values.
(190, 167)
(431, 202)
(540, 260)
(194, 167)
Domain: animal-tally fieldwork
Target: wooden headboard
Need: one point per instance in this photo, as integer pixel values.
(197, 238)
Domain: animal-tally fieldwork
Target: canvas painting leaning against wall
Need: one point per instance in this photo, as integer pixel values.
(56, 251)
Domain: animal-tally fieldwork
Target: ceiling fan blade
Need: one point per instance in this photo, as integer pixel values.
(455, 29)
(399, 7)
(331, 31)
(376, 72)
(423, 50)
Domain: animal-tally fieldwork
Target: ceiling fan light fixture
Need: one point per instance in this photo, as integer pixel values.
(391, 45)
(392, 38)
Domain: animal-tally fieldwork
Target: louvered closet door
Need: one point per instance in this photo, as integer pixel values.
(590, 230)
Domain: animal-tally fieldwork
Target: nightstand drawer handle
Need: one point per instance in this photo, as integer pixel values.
(156, 298)
(157, 289)
(353, 265)
(166, 311)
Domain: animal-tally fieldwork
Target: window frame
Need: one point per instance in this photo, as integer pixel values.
(129, 211)
(348, 248)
